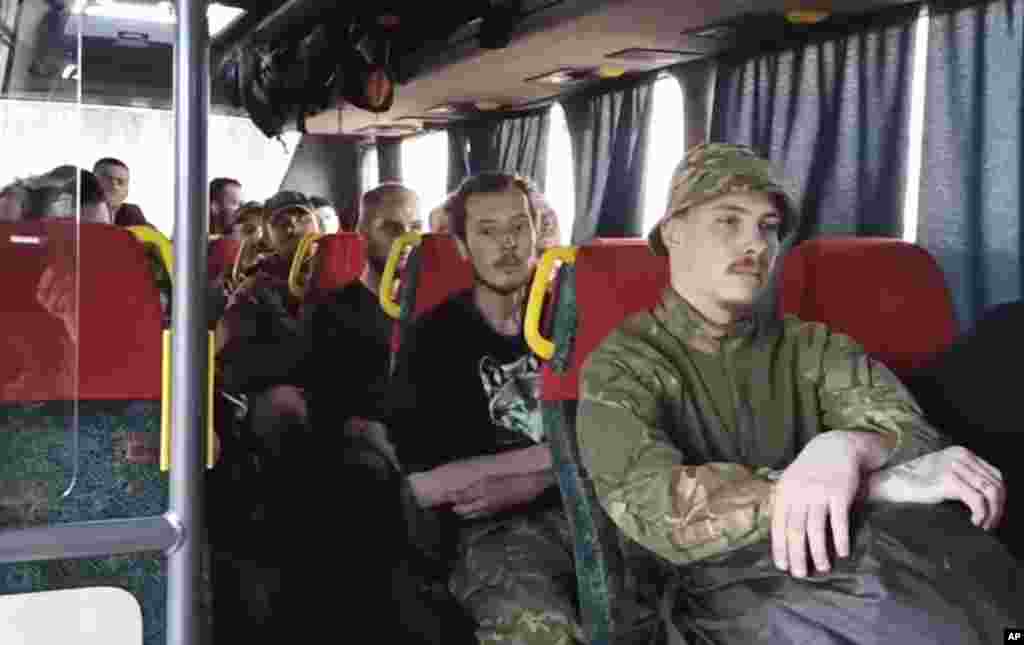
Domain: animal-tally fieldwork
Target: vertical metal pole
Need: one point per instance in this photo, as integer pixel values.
(189, 345)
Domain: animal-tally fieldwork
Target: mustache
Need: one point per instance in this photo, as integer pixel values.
(508, 261)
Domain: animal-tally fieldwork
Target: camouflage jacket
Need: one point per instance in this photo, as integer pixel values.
(684, 433)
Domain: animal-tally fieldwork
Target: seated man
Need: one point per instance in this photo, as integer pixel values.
(225, 199)
(466, 424)
(728, 443)
(262, 351)
(52, 195)
(116, 180)
(349, 373)
(351, 333)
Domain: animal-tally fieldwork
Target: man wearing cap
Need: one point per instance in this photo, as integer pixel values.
(263, 350)
(728, 443)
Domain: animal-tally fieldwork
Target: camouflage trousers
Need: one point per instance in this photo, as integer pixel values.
(515, 577)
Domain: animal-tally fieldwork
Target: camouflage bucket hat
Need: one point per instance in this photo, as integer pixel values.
(711, 170)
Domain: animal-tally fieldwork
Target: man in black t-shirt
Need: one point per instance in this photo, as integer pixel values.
(466, 423)
(351, 333)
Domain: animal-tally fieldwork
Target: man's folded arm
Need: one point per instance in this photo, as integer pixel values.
(861, 396)
(683, 513)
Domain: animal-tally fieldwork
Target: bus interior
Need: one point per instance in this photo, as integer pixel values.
(897, 125)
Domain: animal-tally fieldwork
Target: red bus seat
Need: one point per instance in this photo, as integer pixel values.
(119, 320)
(341, 258)
(116, 445)
(889, 295)
(434, 272)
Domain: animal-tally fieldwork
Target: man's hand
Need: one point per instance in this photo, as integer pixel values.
(953, 474)
(493, 494)
(248, 292)
(819, 486)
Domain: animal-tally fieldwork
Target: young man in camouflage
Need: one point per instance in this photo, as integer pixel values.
(729, 442)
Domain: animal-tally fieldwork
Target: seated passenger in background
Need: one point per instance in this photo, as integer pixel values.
(225, 199)
(730, 443)
(325, 212)
(467, 426)
(52, 195)
(351, 334)
(260, 332)
(249, 228)
(548, 233)
(438, 218)
(262, 353)
(116, 180)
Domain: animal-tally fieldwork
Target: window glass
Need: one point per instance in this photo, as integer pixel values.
(425, 168)
(665, 147)
(559, 188)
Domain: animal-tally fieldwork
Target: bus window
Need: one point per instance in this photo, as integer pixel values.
(560, 184)
(918, 89)
(425, 168)
(371, 170)
(665, 147)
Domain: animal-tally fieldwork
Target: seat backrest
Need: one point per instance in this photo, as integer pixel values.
(887, 294)
(221, 256)
(119, 319)
(442, 273)
(341, 258)
(614, 278)
(434, 272)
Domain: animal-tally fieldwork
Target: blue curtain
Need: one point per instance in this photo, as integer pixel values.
(515, 144)
(971, 184)
(609, 142)
(831, 109)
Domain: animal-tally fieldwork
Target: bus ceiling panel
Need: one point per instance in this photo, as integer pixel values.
(575, 35)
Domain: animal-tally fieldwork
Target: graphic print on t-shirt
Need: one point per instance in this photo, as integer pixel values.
(512, 394)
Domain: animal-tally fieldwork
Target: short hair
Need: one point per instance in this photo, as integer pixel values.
(374, 198)
(218, 185)
(317, 201)
(247, 211)
(109, 161)
(54, 193)
(481, 184)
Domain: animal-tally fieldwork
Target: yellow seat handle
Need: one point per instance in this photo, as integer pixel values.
(303, 252)
(212, 447)
(236, 268)
(149, 235)
(387, 282)
(541, 346)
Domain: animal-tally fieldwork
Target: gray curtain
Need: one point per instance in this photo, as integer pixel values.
(971, 175)
(832, 112)
(609, 142)
(328, 166)
(515, 144)
(389, 158)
